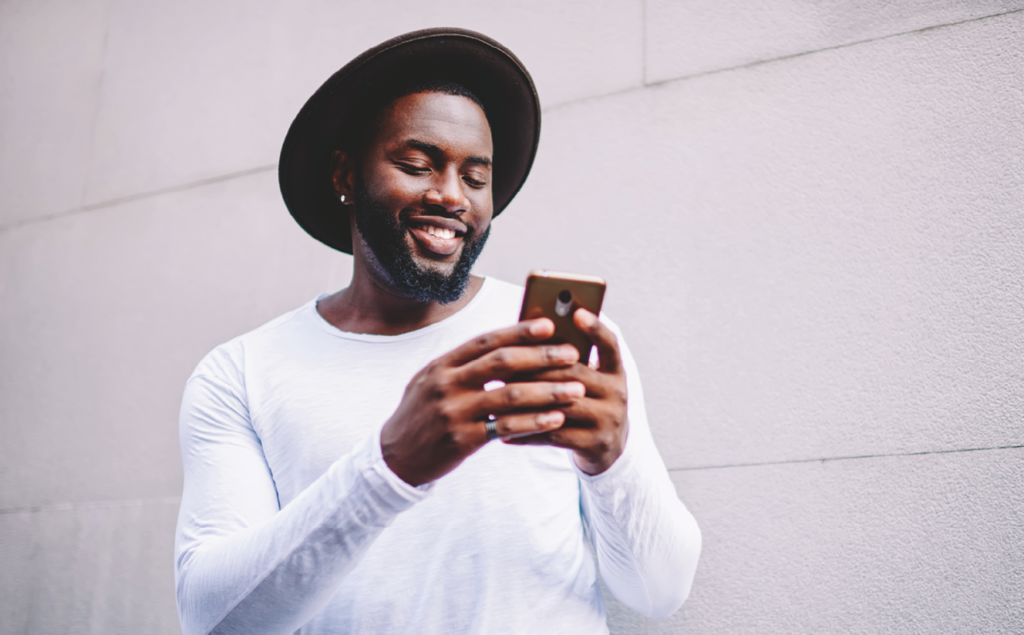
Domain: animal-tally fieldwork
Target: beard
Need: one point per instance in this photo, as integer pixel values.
(392, 258)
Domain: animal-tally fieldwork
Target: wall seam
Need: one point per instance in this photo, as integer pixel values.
(830, 48)
(842, 458)
(98, 111)
(111, 504)
(726, 69)
(643, 41)
(142, 195)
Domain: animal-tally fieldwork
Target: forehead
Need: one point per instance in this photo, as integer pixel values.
(451, 122)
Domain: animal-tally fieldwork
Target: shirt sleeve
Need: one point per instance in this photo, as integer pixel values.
(242, 564)
(647, 542)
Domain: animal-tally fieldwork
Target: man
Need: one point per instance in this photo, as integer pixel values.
(339, 475)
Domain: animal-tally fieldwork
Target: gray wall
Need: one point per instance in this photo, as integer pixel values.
(810, 214)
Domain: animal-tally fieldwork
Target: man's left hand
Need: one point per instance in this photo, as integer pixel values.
(595, 426)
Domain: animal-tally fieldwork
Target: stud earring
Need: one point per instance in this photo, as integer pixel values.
(342, 198)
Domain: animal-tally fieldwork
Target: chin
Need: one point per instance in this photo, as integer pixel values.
(443, 266)
(428, 261)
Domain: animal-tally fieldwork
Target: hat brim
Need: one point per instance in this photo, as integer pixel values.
(485, 67)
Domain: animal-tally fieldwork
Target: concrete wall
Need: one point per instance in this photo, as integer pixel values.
(810, 214)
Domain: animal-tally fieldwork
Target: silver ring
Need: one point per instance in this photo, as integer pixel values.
(492, 429)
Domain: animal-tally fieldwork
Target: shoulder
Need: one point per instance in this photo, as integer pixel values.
(228, 359)
(499, 291)
(496, 305)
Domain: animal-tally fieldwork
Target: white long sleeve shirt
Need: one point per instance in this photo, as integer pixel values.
(291, 520)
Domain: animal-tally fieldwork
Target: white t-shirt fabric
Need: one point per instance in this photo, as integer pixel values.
(291, 520)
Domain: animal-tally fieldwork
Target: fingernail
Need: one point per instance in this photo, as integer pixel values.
(575, 389)
(549, 418)
(538, 328)
(586, 317)
(566, 354)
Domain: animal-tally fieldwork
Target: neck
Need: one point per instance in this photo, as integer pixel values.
(372, 307)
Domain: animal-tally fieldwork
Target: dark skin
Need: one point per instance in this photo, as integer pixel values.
(430, 164)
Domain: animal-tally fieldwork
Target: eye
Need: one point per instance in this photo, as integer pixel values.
(474, 183)
(412, 168)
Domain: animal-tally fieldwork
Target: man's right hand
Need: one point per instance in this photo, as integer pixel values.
(441, 419)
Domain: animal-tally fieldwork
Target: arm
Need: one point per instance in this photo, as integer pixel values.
(244, 565)
(647, 542)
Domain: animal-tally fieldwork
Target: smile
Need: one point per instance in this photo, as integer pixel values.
(440, 232)
(441, 236)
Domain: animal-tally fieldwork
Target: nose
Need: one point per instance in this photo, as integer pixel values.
(447, 193)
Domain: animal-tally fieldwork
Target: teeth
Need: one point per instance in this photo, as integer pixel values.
(440, 232)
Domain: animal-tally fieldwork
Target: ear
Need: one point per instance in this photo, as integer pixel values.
(343, 175)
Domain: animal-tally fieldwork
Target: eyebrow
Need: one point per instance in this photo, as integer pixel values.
(436, 153)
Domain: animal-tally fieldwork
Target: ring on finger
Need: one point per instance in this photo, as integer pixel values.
(492, 428)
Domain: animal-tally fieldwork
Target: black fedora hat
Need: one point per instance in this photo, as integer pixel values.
(488, 69)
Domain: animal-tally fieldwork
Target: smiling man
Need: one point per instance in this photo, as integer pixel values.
(340, 474)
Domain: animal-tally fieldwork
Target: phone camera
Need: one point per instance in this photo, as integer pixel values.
(564, 303)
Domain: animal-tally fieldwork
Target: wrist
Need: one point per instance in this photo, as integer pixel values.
(592, 466)
(593, 463)
(391, 453)
(399, 485)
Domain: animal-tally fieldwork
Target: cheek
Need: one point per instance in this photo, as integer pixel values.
(394, 190)
(483, 202)
(486, 213)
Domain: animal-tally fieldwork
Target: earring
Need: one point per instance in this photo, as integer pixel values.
(342, 198)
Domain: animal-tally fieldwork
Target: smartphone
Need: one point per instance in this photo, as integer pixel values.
(556, 296)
